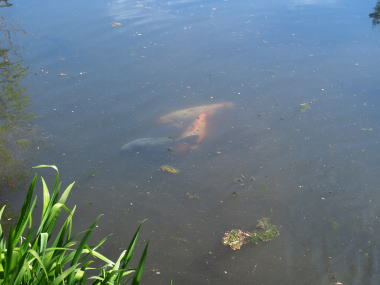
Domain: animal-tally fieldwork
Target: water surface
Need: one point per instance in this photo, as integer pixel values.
(94, 87)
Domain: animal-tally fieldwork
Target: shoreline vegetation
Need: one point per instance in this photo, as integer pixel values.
(47, 252)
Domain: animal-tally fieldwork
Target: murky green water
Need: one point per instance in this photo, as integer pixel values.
(93, 86)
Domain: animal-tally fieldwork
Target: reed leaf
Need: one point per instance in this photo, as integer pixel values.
(47, 253)
(139, 270)
(46, 196)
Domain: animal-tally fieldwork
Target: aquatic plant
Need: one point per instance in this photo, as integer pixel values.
(236, 238)
(48, 252)
(264, 232)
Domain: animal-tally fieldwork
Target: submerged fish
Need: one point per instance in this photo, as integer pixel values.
(158, 143)
(197, 130)
(177, 117)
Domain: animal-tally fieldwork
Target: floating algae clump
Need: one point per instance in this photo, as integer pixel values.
(264, 232)
(169, 169)
(236, 238)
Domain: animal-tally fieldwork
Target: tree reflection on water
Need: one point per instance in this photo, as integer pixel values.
(376, 14)
(16, 132)
(5, 3)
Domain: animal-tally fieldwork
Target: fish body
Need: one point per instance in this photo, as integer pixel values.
(189, 138)
(146, 143)
(179, 116)
(155, 143)
(197, 130)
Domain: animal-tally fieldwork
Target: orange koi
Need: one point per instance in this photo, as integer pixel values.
(196, 129)
(179, 116)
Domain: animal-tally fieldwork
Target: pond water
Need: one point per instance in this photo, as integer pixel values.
(300, 146)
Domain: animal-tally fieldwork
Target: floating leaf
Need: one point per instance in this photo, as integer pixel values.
(304, 107)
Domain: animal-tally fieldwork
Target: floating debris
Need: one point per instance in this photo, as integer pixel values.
(62, 74)
(169, 169)
(236, 238)
(366, 129)
(304, 107)
(264, 232)
(116, 24)
(191, 196)
(242, 180)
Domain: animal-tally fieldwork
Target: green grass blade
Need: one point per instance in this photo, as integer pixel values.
(66, 193)
(139, 270)
(1, 211)
(46, 196)
(99, 244)
(99, 256)
(65, 232)
(38, 258)
(83, 243)
(47, 166)
(64, 274)
(130, 251)
(51, 255)
(26, 210)
(43, 241)
(23, 267)
(9, 255)
(53, 217)
(1, 228)
(131, 247)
